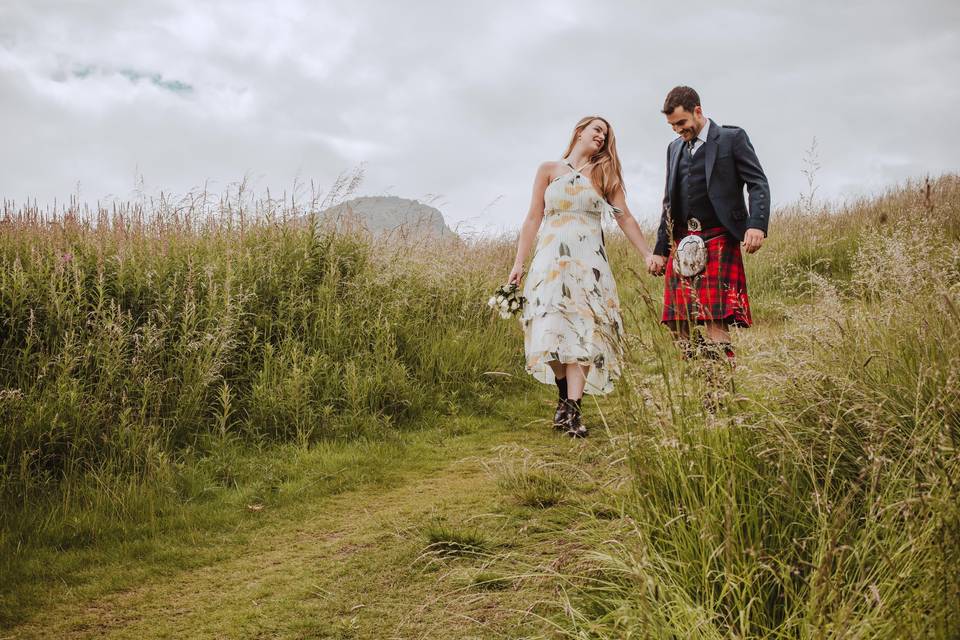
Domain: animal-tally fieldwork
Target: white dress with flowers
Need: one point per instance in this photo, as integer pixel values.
(572, 312)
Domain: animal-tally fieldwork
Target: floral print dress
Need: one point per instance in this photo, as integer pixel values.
(572, 312)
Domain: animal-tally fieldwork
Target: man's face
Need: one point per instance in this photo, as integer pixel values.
(685, 124)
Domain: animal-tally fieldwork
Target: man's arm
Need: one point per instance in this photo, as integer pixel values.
(662, 248)
(749, 169)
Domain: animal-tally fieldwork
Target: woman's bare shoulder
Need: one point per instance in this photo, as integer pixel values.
(550, 169)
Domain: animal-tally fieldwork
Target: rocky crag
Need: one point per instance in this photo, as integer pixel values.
(388, 215)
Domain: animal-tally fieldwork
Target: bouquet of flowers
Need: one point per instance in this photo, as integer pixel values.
(507, 301)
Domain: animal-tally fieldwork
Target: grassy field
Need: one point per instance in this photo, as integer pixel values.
(185, 392)
(815, 493)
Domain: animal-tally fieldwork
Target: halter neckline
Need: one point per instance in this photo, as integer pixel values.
(566, 161)
(577, 172)
(616, 211)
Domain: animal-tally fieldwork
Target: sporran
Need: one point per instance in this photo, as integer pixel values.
(690, 258)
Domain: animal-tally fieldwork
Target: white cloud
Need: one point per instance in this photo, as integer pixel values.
(461, 101)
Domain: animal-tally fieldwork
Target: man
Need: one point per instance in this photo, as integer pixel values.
(707, 168)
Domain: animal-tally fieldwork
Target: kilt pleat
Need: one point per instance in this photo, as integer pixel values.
(718, 293)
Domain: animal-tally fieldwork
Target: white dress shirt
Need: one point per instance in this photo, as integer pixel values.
(701, 137)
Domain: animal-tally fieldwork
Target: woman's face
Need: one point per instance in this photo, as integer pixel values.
(594, 135)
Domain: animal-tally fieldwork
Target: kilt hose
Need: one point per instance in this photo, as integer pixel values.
(718, 293)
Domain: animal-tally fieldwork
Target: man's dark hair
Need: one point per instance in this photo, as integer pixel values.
(681, 96)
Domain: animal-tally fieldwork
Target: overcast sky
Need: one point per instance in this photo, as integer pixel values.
(457, 103)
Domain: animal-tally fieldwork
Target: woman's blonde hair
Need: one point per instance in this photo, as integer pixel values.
(606, 174)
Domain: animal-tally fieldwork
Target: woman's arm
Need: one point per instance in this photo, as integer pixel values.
(528, 232)
(629, 225)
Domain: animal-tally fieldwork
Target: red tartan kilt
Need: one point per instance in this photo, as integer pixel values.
(719, 292)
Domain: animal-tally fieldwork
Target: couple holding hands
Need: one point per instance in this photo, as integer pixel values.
(571, 321)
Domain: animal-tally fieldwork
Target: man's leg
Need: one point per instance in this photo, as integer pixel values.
(718, 340)
(682, 331)
(717, 331)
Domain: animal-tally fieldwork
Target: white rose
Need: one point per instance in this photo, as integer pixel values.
(514, 305)
(492, 302)
(505, 315)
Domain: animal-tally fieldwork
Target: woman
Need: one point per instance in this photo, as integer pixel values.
(571, 322)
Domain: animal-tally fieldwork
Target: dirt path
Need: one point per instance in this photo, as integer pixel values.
(356, 565)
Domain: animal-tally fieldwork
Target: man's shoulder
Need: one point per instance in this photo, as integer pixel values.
(730, 129)
(731, 132)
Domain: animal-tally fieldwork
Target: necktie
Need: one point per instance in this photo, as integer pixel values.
(690, 145)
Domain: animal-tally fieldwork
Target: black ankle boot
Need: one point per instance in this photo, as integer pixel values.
(562, 415)
(575, 426)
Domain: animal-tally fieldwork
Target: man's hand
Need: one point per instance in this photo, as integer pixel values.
(752, 240)
(656, 265)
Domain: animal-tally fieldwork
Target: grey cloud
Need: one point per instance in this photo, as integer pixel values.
(462, 102)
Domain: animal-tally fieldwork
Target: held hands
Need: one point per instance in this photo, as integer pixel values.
(752, 240)
(656, 265)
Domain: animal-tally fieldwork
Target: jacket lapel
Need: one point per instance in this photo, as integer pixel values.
(710, 148)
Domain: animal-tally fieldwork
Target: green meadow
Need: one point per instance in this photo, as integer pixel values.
(223, 421)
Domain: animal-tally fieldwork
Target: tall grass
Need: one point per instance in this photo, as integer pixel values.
(815, 492)
(134, 337)
(820, 496)
(811, 242)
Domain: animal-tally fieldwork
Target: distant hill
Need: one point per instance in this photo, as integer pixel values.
(389, 215)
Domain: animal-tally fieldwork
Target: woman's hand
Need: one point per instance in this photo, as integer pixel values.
(516, 275)
(656, 265)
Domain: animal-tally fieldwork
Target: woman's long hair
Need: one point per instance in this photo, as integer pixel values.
(606, 174)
